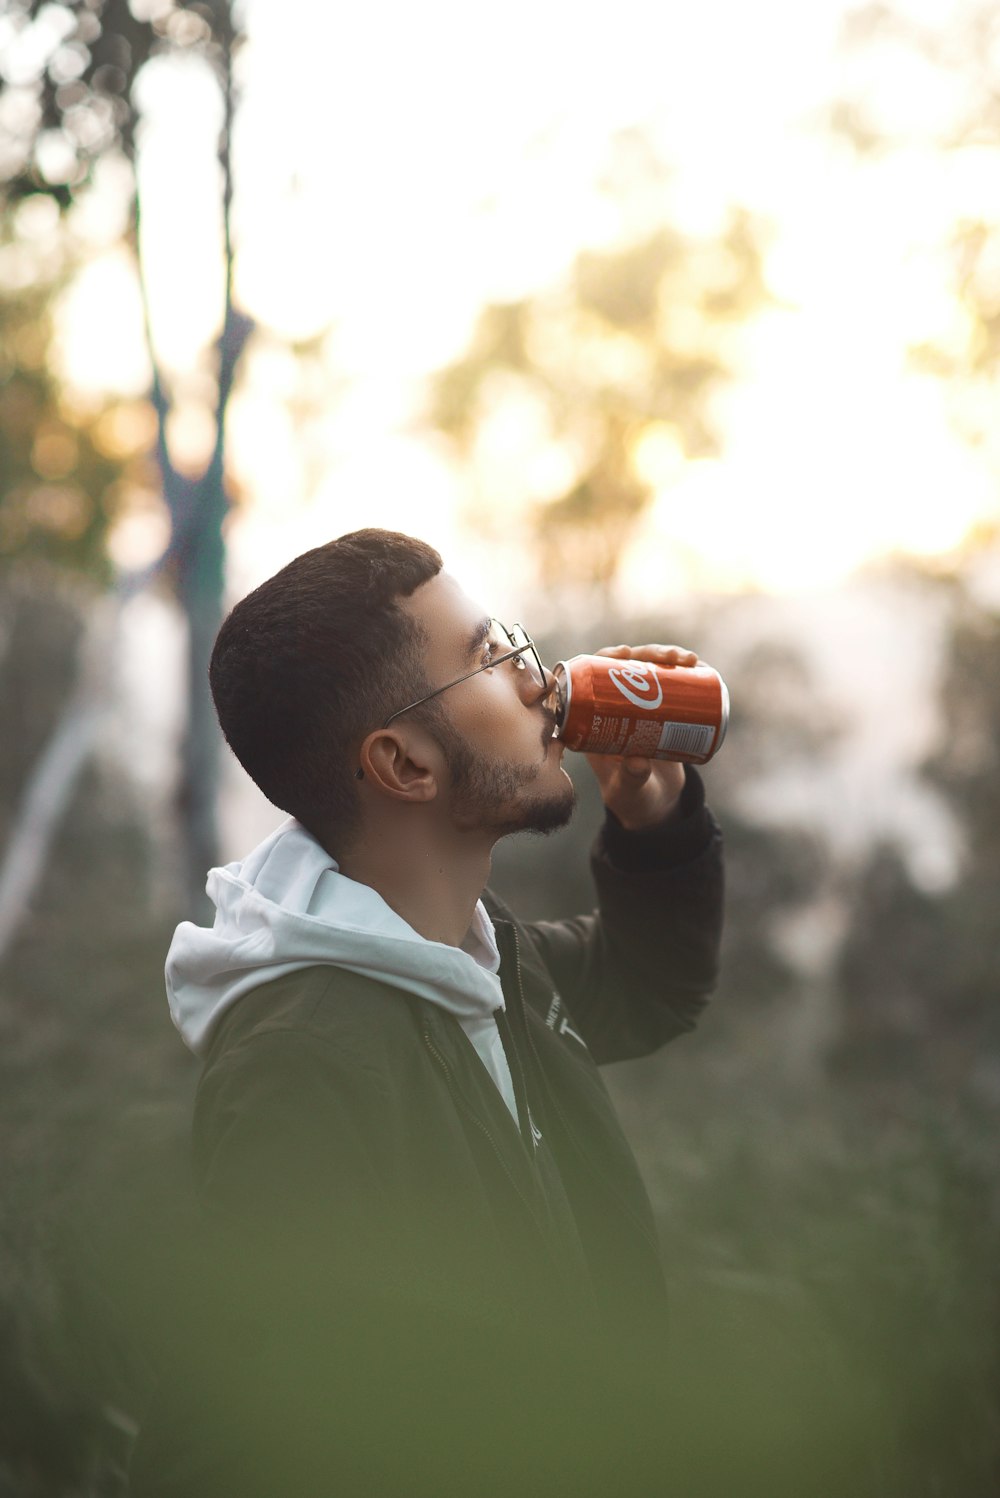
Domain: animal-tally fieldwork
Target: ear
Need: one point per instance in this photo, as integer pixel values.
(400, 764)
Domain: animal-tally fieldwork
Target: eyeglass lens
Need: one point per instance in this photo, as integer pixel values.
(520, 640)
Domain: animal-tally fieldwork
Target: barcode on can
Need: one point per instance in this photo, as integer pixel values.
(686, 738)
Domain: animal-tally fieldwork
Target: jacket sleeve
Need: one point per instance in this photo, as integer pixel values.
(638, 971)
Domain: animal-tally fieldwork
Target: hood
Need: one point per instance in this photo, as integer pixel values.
(286, 906)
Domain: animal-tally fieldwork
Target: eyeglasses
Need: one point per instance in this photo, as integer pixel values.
(522, 653)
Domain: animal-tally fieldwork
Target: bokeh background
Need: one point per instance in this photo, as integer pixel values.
(661, 322)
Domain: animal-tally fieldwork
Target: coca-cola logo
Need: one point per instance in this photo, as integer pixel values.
(638, 684)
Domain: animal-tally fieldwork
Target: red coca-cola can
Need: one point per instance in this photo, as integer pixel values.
(612, 706)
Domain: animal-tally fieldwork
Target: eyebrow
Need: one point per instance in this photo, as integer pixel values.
(477, 638)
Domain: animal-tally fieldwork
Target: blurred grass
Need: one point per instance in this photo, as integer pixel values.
(95, 1098)
(834, 1260)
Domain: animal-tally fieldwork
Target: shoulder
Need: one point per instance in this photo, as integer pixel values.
(307, 1070)
(322, 1013)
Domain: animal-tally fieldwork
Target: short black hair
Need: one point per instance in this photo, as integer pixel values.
(311, 661)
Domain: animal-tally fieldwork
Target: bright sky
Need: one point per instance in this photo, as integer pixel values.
(397, 166)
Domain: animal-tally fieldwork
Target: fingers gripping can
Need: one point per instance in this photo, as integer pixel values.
(611, 706)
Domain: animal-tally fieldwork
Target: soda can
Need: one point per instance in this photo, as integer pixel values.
(611, 706)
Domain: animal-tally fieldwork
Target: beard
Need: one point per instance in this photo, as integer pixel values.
(491, 794)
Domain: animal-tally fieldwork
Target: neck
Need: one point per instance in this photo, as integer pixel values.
(432, 877)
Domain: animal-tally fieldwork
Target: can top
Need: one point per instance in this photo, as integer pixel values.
(724, 720)
(563, 683)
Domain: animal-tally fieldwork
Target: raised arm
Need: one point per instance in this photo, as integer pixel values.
(638, 971)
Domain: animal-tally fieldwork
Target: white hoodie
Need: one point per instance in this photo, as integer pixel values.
(286, 906)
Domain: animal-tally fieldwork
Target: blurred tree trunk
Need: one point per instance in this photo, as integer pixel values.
(195, 555)
(194, 560)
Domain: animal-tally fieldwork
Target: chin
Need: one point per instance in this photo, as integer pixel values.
(502, 797)
(545, 814)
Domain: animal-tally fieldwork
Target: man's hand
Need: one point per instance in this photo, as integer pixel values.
(641, 792)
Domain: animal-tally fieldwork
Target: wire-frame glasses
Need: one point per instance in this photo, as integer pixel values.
(522, 651)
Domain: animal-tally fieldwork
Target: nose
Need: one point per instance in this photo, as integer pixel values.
(545, 695)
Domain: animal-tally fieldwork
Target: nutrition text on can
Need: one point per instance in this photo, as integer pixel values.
(612, 706)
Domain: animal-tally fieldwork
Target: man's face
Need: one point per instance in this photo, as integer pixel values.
(495, 729)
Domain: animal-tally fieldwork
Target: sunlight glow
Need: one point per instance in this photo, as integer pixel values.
(96, 352)
(381, 221)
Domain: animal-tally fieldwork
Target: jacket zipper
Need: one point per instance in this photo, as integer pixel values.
(550, 1093)
(518, 1077)
(470, 1113)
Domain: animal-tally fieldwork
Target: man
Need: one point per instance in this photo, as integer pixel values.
(433, 1267)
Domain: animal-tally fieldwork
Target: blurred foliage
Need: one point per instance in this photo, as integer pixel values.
(69, 101)
(66, 471)
(40, 630)
(624, 356)
(833, 1266)
(69, 72)
(920, 972)
(94, 1091)
(949, 57)
(953, 50)
(68, 67)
